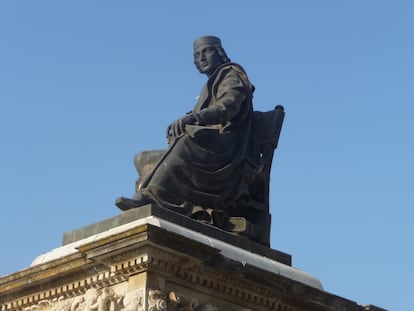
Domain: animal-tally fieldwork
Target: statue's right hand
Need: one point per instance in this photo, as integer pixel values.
(177, 128)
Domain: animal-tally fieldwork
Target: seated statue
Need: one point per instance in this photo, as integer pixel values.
(217, 165)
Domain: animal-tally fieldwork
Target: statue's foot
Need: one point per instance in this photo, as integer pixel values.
(125, 204)
(200, 214)
(241, 226)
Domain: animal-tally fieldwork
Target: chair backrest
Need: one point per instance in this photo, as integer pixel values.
(266, 131)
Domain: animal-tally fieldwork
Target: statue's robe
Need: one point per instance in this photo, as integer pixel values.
(210, 165)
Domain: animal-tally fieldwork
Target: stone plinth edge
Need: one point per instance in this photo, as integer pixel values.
(155, 264)
(185, 222)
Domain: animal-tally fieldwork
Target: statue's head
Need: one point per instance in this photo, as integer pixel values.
(209, 54)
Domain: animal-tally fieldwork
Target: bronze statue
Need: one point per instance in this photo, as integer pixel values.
(211, 167)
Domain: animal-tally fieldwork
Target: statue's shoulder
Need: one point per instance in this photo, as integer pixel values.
(230, 70)
(231, 67)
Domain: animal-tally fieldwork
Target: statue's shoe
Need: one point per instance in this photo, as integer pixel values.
(125, 204)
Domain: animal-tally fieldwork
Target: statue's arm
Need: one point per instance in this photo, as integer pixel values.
(231, 91)
(231, 94)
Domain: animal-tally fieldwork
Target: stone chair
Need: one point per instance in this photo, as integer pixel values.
(266, 130)
(253, 219)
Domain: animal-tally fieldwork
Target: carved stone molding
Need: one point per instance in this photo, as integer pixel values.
(149, 268)
(193, 273)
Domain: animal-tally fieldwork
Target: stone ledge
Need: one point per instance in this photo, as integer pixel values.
(158, 232)
(186, 222)
(154, 253)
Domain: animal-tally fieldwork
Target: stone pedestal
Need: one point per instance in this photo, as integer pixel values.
(154, 259)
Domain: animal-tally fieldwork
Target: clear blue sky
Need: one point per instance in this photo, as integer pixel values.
(84, 85)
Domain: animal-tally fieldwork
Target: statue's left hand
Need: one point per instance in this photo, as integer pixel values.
(177, 128)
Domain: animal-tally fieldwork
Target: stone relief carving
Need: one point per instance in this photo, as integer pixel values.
(178, 302)
(106, 299)
(61, 305)
(57, 304)
(157, 300)
(134, 301)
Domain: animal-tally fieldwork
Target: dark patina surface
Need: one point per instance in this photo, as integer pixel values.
(216, 168)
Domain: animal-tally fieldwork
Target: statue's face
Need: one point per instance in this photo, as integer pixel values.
(207, 59)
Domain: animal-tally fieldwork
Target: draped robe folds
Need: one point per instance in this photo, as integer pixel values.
(210, 164)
